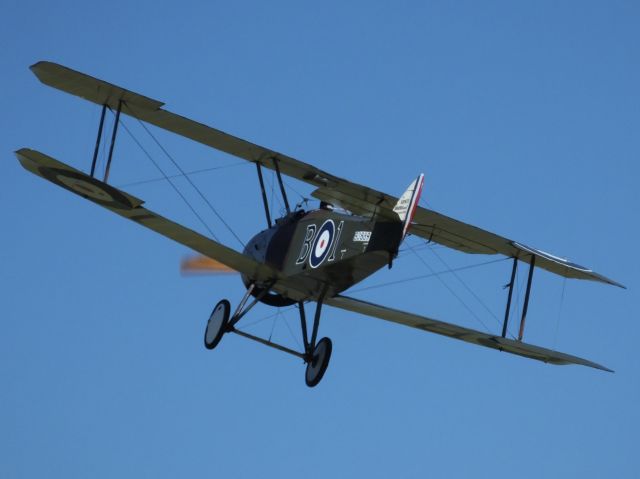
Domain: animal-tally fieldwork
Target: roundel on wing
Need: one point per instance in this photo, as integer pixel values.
(322, 244)
(87, 187)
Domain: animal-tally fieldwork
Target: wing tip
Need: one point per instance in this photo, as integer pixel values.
(38, 63)
(602, 368)
(565, 359)
(615, 283)
(24, 155)
(38, 67)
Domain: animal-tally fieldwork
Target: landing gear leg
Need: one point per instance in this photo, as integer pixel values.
(317, 355)
(220, 320)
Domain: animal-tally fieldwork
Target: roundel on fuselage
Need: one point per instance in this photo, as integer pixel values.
(322, 244)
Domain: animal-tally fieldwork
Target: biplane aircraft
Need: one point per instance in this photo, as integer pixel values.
(304, 256)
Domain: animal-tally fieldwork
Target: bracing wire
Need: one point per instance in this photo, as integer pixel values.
(426, 204)
(422, 247)
(429, 275)
(555, 336)
(471, 311)
(258, 321)
(275, 315)
(189, 173)
(272, 197)
(169, 180)
(295, 338)
(204, 198)
(274, 323)
(288, 185)
(272, 179)
(482, 303)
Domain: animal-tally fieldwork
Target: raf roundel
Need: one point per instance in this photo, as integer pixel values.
(322, 244)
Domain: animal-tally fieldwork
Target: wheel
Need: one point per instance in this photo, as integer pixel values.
(217, 324)
(319, 362)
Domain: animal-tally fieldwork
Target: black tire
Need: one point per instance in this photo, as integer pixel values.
(319, 362)
(217, 324)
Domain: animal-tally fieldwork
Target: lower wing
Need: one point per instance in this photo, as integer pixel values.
(131, 207)
(459, 332)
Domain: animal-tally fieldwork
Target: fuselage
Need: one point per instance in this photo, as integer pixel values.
(321, 249)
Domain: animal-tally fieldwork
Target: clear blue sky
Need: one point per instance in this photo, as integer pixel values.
(524, 117)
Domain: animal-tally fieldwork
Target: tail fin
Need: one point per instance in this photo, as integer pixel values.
(408, 202)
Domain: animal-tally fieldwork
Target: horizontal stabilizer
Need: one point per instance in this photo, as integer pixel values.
(458, 332)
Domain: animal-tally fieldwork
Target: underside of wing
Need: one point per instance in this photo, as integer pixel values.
(455, 234)
(131, 207)
(458, 332)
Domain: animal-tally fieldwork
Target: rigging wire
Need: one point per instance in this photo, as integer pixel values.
(449, 288)
(274, 323)
(295, 338)
(257, 321)
(422, 247)
(167, 178)
(482, 303)
(426, 204)
(555, 336)
(429, 275)
(272, 198)
(175, 163)
(279, 312)
(189, 173)
(246, 326)
(303, 198)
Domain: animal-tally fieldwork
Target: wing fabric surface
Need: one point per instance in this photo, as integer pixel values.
(131, 207)
(150, 111)
(438, 228)
(356, 198)
(459, 332)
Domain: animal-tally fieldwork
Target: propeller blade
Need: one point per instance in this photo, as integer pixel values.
(203, 265)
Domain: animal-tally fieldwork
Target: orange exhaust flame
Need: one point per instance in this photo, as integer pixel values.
(203, 265)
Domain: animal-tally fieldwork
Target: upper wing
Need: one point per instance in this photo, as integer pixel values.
(131, 207)
(455, 234)
(459, 332)
(150, 111)
(351, 196)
